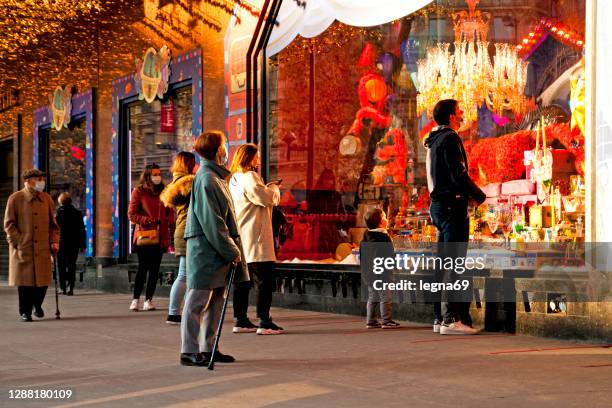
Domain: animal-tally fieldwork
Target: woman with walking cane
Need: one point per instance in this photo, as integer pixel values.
(212, 246)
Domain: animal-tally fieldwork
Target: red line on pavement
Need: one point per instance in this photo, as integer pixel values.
(324, 323)
(549, 349)
(481, 336)
(597, 365)
(399, 329)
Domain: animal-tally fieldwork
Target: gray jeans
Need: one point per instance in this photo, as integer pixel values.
(197, 333)
(382, 299)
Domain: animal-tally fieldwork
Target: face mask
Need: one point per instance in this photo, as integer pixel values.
(156, 180)
(40, 186)
(224, 159)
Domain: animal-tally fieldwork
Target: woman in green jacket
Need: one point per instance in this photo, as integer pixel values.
(212, 246)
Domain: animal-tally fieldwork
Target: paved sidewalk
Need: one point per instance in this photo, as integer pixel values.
(110, 357)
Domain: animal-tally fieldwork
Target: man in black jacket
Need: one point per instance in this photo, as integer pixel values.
(72, 240)
(450, 188)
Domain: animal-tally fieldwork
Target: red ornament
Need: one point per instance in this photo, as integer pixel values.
(366, 59)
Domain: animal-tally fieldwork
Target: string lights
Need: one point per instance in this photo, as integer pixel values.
(549, 26)
(45, 43)
(336, 37)
(24, 21)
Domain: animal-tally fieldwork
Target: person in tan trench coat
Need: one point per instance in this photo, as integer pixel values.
(32, 234)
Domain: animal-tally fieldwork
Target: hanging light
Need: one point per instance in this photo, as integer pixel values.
(467, 74)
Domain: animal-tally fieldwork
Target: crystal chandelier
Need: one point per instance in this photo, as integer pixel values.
(467, 74)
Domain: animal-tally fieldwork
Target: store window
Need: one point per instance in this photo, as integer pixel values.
(346, 127)
(158, 131)
(65, 161)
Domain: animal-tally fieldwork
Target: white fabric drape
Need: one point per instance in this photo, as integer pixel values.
(320, 14)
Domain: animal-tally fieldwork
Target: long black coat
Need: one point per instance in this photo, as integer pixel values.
(72, 229)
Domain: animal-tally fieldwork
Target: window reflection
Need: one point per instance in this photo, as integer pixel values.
(159, 130)
(67, 162)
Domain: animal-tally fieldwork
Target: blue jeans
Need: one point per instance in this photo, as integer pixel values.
(382, 299)
(451, 219)
(177, 293)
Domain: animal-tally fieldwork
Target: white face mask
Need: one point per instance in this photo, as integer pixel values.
(224, 159)
(40, 186)
(156, 179)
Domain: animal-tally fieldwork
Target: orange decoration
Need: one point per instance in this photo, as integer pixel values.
(376, 90)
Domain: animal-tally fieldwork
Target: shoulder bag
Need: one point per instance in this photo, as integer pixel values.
(149, 237)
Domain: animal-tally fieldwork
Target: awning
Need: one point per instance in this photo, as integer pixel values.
(320, 14)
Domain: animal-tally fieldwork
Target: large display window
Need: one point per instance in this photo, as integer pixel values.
(349, 110)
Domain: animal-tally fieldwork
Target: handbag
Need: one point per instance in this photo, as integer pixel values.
(149, 237)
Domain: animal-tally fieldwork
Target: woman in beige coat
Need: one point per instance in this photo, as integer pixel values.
(32, 234)
(253, 201)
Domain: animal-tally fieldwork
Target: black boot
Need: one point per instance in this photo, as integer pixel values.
(25, 318)
(193, 359)
(219, 357)
(39, 312)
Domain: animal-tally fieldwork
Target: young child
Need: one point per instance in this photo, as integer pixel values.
(376, 221)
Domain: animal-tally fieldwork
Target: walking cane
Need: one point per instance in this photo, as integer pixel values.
(211, 363)
(55, 273)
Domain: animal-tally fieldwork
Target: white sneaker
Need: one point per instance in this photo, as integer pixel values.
(148, 305)
(134, 305)
(457, 328)
(269, 328)
(436, 326)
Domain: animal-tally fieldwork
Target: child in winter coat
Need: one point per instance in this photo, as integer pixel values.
(376, 242)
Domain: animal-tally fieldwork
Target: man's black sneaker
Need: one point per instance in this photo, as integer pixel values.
(193, 359)
(25, 318)
(173, 319)
(219, 357)
(268, 327)
(244, 326)
(38, 312)
(390, 325)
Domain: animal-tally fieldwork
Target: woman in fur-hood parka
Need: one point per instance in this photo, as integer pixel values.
(176, 195)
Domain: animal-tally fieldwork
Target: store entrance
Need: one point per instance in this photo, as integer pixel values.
(6, 189)
(152, 133)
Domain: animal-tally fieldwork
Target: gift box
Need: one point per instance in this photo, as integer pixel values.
(518, 187)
